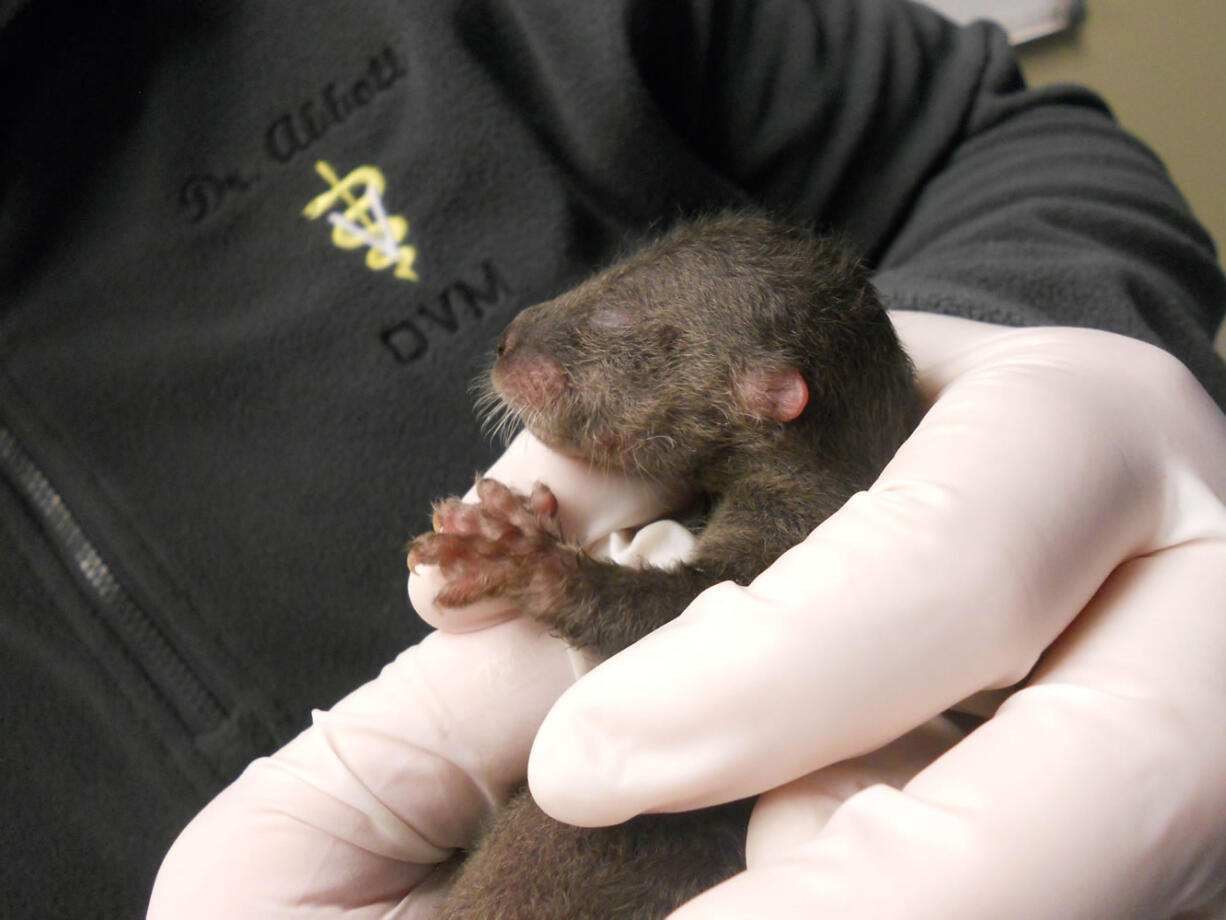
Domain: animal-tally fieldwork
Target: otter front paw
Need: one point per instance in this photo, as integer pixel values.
(507, 545)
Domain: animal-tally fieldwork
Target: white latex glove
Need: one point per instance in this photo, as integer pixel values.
(1060, 505)
(353, 818)
(1097, 793)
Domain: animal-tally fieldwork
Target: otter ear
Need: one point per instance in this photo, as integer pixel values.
(780, 394)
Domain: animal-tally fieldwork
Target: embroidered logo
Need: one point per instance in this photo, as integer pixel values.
(361, 220)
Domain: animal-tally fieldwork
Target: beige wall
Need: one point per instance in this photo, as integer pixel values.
(1161, 65)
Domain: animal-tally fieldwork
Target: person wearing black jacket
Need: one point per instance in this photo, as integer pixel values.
(251, 256)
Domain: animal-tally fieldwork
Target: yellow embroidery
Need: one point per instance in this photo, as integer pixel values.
(364, 221)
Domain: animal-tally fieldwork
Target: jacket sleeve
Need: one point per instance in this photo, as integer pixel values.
(970, 193)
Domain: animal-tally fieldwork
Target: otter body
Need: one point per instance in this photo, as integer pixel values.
(747, 362)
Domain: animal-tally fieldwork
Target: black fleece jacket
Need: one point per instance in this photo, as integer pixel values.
(252, 253)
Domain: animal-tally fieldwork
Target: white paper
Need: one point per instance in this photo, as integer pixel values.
(1023, 20)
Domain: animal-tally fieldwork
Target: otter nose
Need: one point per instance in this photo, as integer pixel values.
(528, 377)
(508, 342)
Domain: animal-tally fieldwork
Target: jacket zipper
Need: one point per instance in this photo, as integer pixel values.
(195, 704)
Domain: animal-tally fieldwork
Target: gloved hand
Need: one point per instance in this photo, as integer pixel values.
(1064, 495)
(1058, 513)
(357, 816)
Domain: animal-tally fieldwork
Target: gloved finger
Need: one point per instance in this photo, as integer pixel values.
(1097, 791)
(592, 505)
(362, 808)
(1032, 477)
(794, 813)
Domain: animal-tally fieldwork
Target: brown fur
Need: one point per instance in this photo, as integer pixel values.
(687, 362)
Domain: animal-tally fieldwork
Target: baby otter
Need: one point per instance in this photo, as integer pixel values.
(743, 360)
